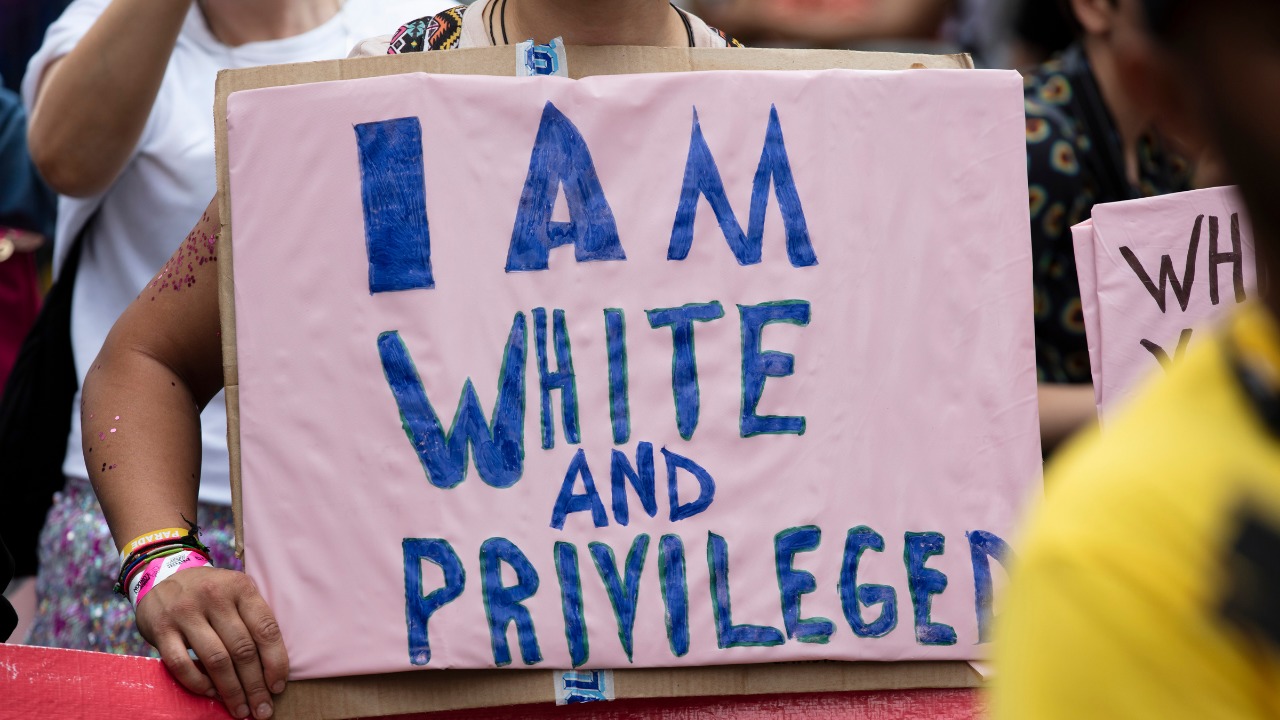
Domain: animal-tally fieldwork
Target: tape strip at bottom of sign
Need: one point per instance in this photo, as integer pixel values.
(574, 687)
(534, 59)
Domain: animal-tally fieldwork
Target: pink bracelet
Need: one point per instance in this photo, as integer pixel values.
(161, 569)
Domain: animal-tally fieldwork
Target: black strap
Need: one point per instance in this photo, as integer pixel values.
(35, 417)
(1261, 396)
(8, 618)
(1251, 584)
(688, 27)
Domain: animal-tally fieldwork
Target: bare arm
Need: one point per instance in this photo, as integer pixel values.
(1064, 410)
(93, 103)
(160, 365)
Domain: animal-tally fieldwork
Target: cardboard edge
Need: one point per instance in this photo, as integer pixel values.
(584, 61)
(227, 306)
(455, 690)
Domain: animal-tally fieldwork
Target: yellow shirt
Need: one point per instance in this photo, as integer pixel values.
(1116, 603)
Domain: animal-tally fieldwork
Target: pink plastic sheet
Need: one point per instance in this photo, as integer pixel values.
(914, 375)
(1195, 246)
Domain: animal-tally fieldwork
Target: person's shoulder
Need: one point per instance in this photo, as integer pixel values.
(729, 40)
(1117, 578)
(1047, 94)
(1136, 479)
(1058, 153)
(703, 35)
(442, 31)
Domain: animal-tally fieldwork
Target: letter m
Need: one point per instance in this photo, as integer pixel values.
(498, 446)
(702, 178)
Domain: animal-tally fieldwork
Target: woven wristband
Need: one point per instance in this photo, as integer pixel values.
(161, 569)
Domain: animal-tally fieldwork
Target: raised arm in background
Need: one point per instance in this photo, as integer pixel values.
(160, 365)
(754, 20)
(94, 102)
(1064, 410)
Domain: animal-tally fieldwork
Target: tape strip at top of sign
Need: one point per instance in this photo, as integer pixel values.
(534, 60)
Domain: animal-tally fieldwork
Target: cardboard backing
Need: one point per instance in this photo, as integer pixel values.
(431, 691)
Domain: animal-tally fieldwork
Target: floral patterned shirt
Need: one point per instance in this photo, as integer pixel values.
(447, 31)
(1074, 161)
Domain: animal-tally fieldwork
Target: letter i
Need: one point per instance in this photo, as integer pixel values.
(615, 325)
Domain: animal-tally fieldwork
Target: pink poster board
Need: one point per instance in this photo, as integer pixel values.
(859, 438)
(1153, 273)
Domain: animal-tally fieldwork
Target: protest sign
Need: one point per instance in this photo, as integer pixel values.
(1152, 273)
(527, 367)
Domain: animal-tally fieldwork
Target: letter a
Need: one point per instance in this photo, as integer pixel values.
(560, 158)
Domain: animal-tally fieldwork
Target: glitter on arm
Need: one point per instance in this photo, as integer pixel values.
(199, 249)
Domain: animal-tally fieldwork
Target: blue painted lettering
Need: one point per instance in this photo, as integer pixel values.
(924, 583)
(419, 608)
(982, 547)
(854, 596)
(684, 364)
(792, 583)
(393, 193)
(575, 621)
(757, 365)
(503, 605)
(675, 592)
(569, 502)
(562, 379)
(498, 447)
(729, 635)
(560, 159)
(702, 178)
(623, 591)
(641, 479)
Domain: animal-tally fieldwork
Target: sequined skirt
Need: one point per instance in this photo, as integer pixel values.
(78, 566)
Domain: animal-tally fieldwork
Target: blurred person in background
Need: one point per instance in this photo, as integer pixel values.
(1089, 141)
(26, 219)
(121, 96)
(8, 618)
(1040, 29)
(978, 27)
(27, 209)
(22, 24)
(1149, 583)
